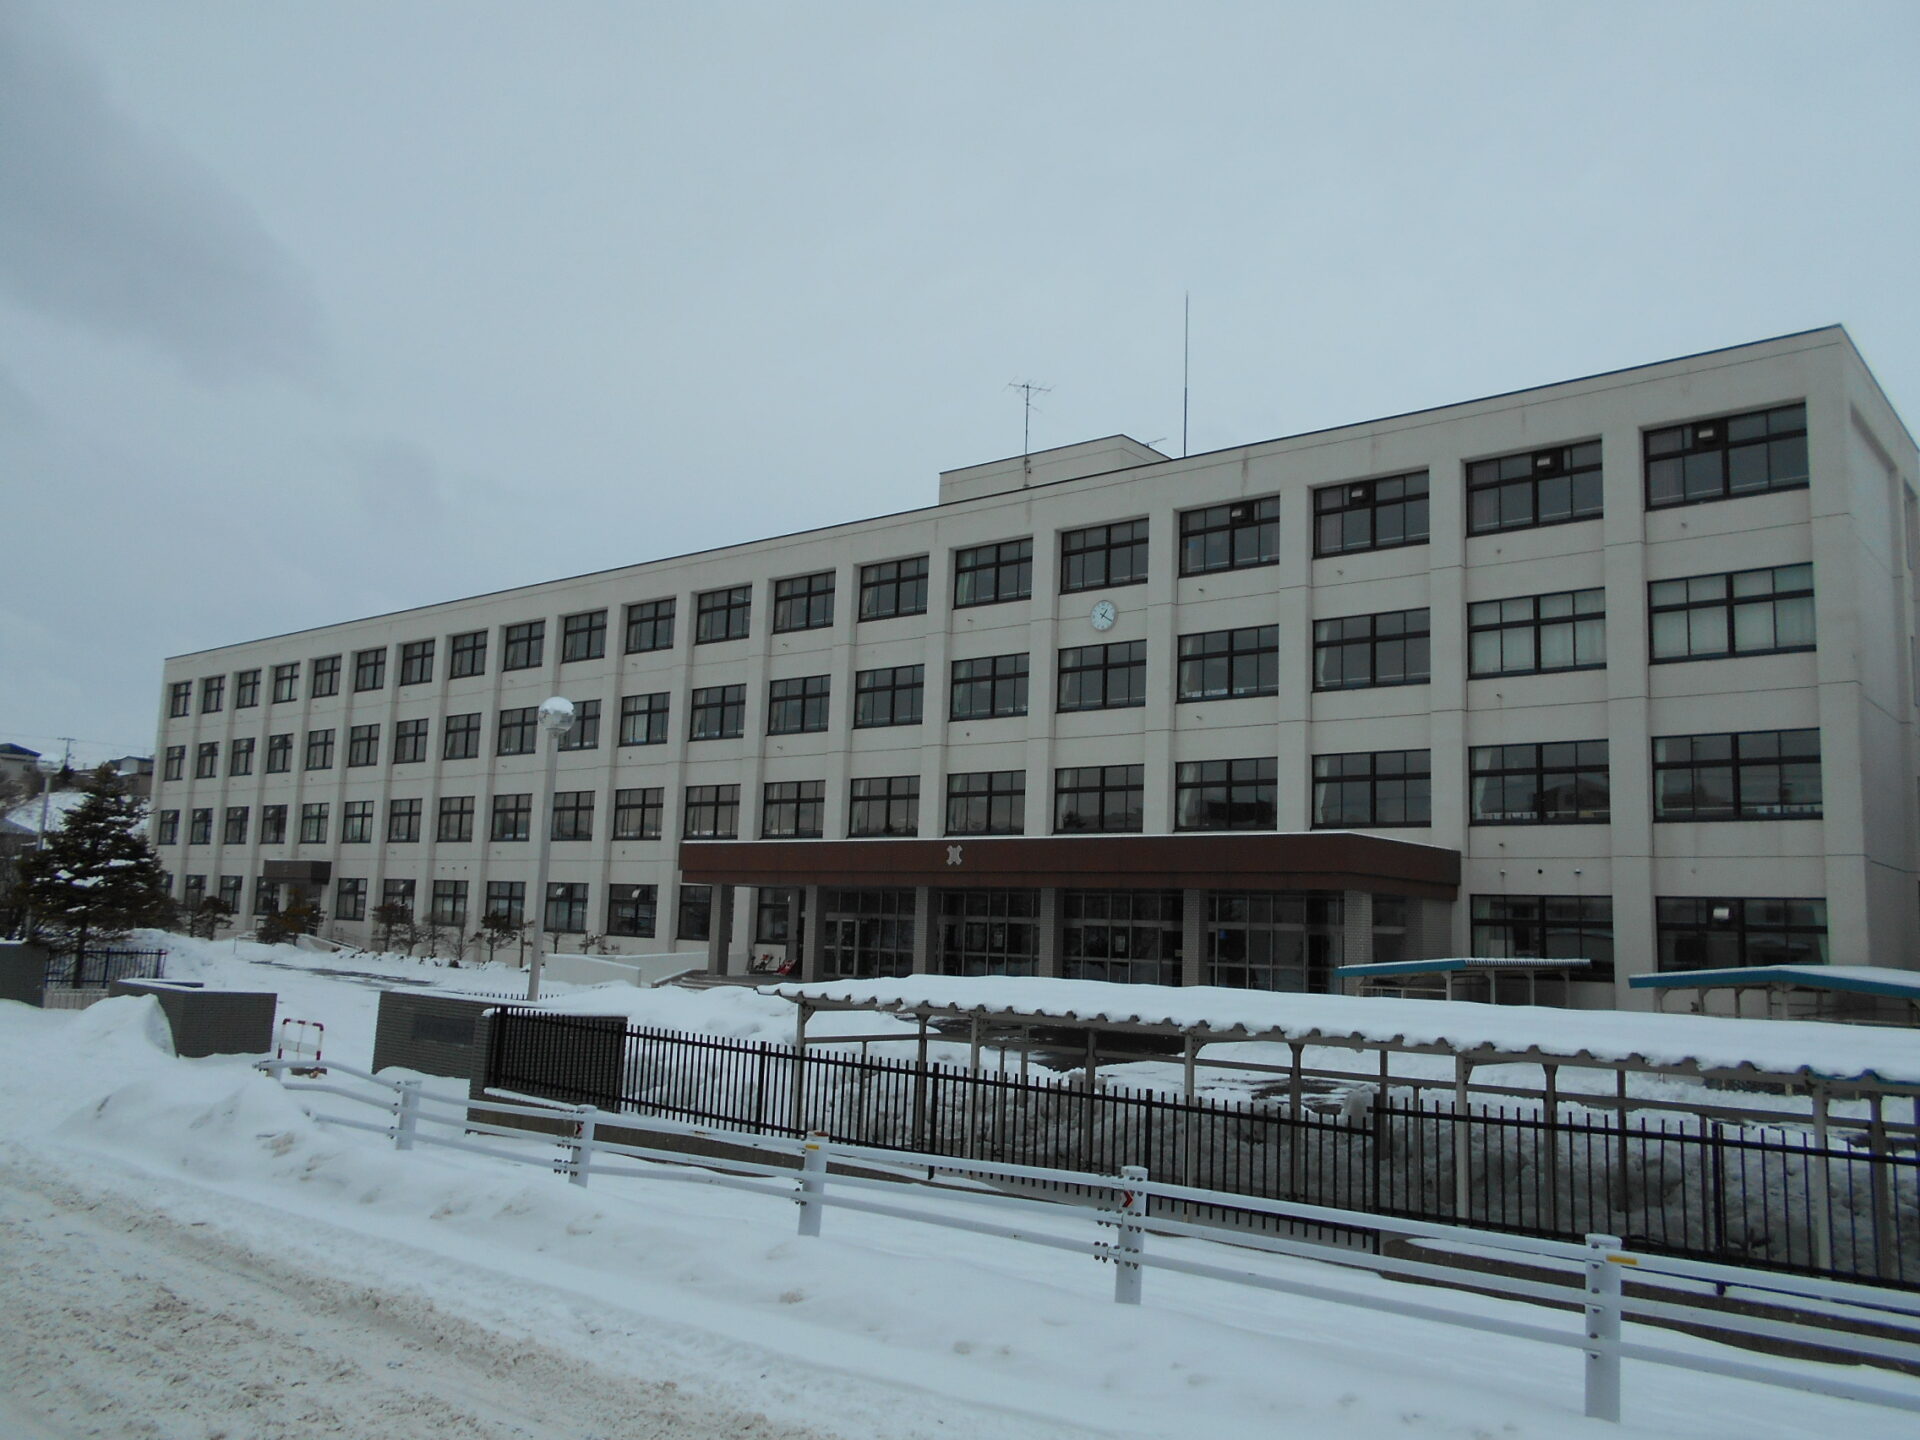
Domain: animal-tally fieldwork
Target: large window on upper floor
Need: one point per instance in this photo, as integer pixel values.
(512, 818)
(649, 626)
(1732, 455)
(524, 645)
(711, 812)
(722, 614)
(460, 737)
(1373, 789)
(893, 587)
(884, 805)
(1697, 932)
(892, 695)
(1225, 794)
(1537, 634)
(1102, 556)
(804, 602)
(989, 574)
(1370, 514)
(1745, 612)
(324, 678)
(1107, 798)
(370, 668)
(1748, 775)
(1230, 664)
(792, 809)
(246, 690)
(718, 712)
(1103, 677)
(1234, 536)
(212, 693)
(1534, 487)
(1560, 782)
(995, 685)
(179, 699)
(583, 636)
(416, 662)
(797, 706)
(987, 802)
(175, 763)
(286, 679)
(1360, 651)
(467, 654)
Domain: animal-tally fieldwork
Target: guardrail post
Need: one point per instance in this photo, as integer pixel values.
(583, 1148)
(1603, 1328)
(1132, 1238)
(813, 1182)
(408, 1113)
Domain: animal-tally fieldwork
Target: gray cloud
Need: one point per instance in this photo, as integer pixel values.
(110, 228)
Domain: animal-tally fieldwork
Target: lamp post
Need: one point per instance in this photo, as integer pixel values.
(556, 719)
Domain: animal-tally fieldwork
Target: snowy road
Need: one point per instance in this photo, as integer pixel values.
(123, 1322)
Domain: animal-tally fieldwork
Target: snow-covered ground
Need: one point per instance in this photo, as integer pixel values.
(187, 1256)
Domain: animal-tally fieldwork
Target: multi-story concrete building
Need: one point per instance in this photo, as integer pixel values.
(1620, 668)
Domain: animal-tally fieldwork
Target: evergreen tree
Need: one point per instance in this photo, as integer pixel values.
(97, 877)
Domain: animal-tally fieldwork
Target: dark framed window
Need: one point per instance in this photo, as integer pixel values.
(370, 669)
(409, 742)
(712, 812)
(696, 912)
(1361, 651)
(1230, 664)
(167, 828)
(572, 815)
(987, 932)
(213, 690)
(1733, 455)
(1109, 798)
(273, 824)
(1125, 936)
(1537, 634)
(246, 690)
(636, 813)
(363, 745)
(1534, 487)
(632, 909)
(454, 823)
(894, 695)
(1745, 612)
(174, 766)
(995, 685)
(1546, 927)
(230, 892)
(350, 898)
(467, 654)
(773, 915)
(398, 892)
(1374, 789)
(1748, 775)
(324, 679)
(987, 802)
(887, 805)
(1103, 556)
(517, 732)
(416, 662)
(1272, 940)
(1103, 677)
(649, 626)
(403, 822)
(240, 756)
(512, 818)
(583, 636)
(893, 587)
(313, 824)
(585, 734)
(1235, 536)
(991, 574)
(279, 754)
(804, 602)
(524, 646)
(193, 889)
(449, 903)
(233, 829)
(200, 826)
(566, 907)
(643, 719)
(286, 681)
(356, 822)
(1226, 794)
(460, 737)
(792, 809)
(206, 760)
(798, 706)
(266, 896)
(718, 712)
(866, 933)
(1562, 782)
(1370, 514)
(1701, 933)
(320, 749)
(722, 614)
(179, 699)
(508, 899)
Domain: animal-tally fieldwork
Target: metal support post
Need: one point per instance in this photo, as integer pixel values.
(1132, 1237)
(1462, 1142)
(408, 1115)
(813, 1182)
(1603, 1327)
(583, 1149)
(1822, 1218)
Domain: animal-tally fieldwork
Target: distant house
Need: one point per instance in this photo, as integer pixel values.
(136, 773)
(17, 763)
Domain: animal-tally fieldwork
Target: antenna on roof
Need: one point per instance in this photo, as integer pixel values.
(1186, 363)
(1028, 390)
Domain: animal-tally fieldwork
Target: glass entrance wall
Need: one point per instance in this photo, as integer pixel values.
(987, 932)
(866, 934)
(1131, 936)
(1272, 940)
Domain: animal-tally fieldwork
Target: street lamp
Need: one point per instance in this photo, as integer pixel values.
(556, 719)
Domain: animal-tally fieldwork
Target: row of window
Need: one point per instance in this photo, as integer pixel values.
(1751, 775)
(1685, 464)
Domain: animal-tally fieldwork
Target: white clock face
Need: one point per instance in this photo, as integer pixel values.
(1104, 614)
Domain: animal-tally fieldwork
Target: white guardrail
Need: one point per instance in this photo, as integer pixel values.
(1603, 1260)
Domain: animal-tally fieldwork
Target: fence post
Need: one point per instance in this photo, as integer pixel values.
(409, 1115)
(583, 1149)
(1603, 1328)
(813, 1182)
(1132, 1236)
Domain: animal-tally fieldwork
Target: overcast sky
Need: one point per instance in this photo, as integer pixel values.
(311, 311)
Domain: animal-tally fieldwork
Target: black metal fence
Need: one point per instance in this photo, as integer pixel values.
(96, 969)
(1769, 1197)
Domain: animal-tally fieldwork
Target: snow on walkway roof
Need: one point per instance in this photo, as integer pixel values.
(1456, 964)
(1857, 979)
(1689, 1043)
